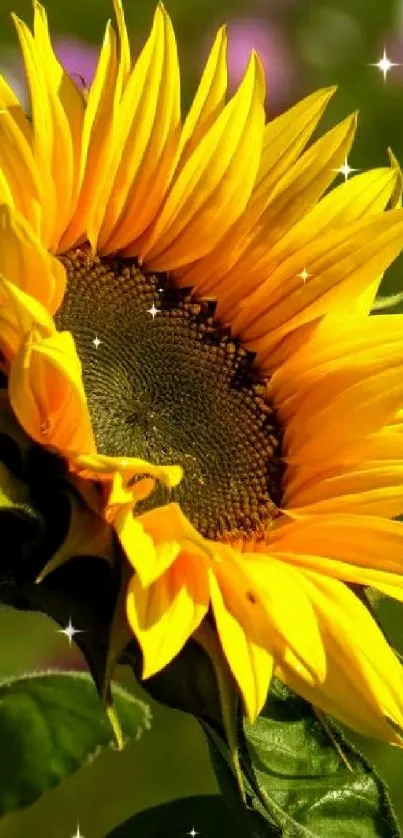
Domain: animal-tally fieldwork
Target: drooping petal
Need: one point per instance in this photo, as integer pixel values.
(47, 393)
(165, 614)
(171, 532)
(364, 682)
(244, 634)
(119, 511)
(288, 608)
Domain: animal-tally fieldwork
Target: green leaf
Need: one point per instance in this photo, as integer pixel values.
(309, 781)
(208, 815)
(51, 723)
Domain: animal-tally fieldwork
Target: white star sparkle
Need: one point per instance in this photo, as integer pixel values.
(384, 65)
(304, 275)
(193, 832)
(69, 631)
(153, 311)
(345, 170)
(78, 833)
(96, 341)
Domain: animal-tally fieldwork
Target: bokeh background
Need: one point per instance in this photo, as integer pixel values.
(304, 44)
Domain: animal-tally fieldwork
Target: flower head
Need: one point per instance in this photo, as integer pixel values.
(184, 320)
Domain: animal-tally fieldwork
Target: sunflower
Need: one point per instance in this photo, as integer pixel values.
(184, 320)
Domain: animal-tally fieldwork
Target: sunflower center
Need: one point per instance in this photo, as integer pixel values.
(166, 383)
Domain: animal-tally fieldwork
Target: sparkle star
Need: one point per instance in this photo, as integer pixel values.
(193, 832)
(304, 275)
(96, 341)
(69, 631)
(345, 170)
(384, 65)
(153, 311)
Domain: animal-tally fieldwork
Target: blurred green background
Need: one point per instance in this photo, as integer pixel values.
(304, 44)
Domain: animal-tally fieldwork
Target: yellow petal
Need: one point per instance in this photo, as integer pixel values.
(47, 394)
(25, 261)
(101, 467)
(368, 491)
(10, 103)
(366, 193)
(396, 197)
(209, 99)
(52, 142)
(283, 139)
(153, 90)
(340, 265)
(164, 615)
(368, 403)
(340, 697)
(391, 584)
(149, 561)
(325, 383)
(145, 102)
(137, 545)
(19, 312)
(67, 93)
(345, 543)
(244, 636)
(215, 184)
(366, 301)
(281, 208)
(38, 91)
(170, 532)
(125, 60)
(286, 136)
(364, 684)
(121, 492)
(20, 172)
(338, 349)
(119, 505)
(96, 134)
(288, 608)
